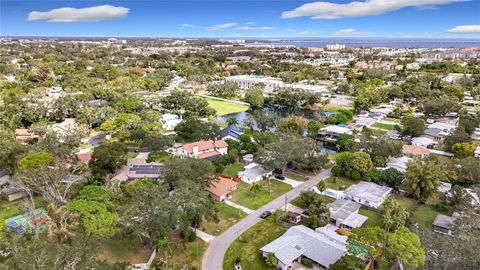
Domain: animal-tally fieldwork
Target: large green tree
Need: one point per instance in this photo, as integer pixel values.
(423, 177)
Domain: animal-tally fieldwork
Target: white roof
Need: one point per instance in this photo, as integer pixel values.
(423, 141)
(442, 126)
(337, 129)
(368, 191)
(399, 163)
(477, 151)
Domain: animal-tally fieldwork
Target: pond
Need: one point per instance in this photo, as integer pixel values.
(276, 112)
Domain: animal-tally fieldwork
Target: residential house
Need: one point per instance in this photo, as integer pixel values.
(323, 246)
(398, 163)
(65, 128)
(170, 121)
(438, 130)
(137, 168)
(344, 214)
(9, 189)
(331, 133)
(253, 172)
(415, 150)
(367, 193)
(222, 188)
(231, 132)
(444, 224)
(424, 141)
(209, 150)
(294, 217)
(25, 135)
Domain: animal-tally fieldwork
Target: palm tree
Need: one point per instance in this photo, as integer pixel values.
(321, 186)
(165, 246)
(232, 121)
(255, 188)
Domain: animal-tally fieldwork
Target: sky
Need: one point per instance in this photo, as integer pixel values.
(242, 18)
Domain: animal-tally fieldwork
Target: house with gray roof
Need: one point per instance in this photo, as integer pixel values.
(323, 246)
(253, 172)
(344, 214)
(444, 224)
(367, 193)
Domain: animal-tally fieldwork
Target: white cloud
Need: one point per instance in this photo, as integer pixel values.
(350, 32)
(249, 23)
(328, 10)
(466, 29)
(89, 14)
(222, 26)
(186, 25)
(255, 28)
(305, 33)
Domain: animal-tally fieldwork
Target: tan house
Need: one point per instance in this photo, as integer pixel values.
(25, 135)
(221, 189)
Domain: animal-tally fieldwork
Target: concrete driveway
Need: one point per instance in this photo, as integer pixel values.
(213, 257)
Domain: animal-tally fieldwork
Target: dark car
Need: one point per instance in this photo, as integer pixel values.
(279, 177)
(305, 213)
(265, 214)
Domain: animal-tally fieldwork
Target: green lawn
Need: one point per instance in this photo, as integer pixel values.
(294, 176)
(225, 107)
(245, 197)
(233, 169)
(424, 216)
(374, 218)
(132, 154)
(341, 183)
(160, 156)
(247, 246)
(123, 250)
(335, 108)
(300, 203)
(377, 132)
(227, 216)
(384, 126)
(8, 210)
(396, 120)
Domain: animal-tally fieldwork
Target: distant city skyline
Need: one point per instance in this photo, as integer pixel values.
(231, 19)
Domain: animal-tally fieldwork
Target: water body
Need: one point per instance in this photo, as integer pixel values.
(374, 42)
(276, 112)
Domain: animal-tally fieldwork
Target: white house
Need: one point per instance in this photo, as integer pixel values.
(398, 163)
(344, 214)
(253, 172)
(170, 121)
(66, 127)
(367, 193)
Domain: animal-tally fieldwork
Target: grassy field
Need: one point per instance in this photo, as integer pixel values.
(245, 197)
(341, 183)
(404, 201)
(396, 120)
(424, 215)
(8, 210)
(336, 108)
(123, 250)
(294, 176)
(247, 246)
(190, 254)
(233, 169)
(300, 203)
(160, 156)
(225, 107)
(384, 126)
(374, 218)
(227, 216)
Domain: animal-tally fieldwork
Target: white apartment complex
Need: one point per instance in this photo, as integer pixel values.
(335, 47)
(271, 83)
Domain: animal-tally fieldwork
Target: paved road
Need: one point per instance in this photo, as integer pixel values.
(213, 257)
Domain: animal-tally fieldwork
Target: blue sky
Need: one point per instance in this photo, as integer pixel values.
(338, 18)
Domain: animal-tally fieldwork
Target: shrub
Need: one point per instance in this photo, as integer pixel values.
(307, 262)
(188, 234)
(336, 170)
(356, 175)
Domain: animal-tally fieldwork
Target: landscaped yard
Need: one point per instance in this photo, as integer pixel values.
(294, 176)
(384, 126)
(123, 250)
(227, 216)
(374, 218)
(300, 203)
(424, 215)
(245, 197)
(247, 246)
(341, 183)
(233, 169)
(225, 107)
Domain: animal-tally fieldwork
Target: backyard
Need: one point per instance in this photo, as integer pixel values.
(245, 197)
(227, 216)
(384, 126)
(160, 157)
(225, 107)
(424, 215)
(298, 202)
(374, 218)
(233, 169)
(341, 183)
(190, 254)
(123, 250)
(246, 247)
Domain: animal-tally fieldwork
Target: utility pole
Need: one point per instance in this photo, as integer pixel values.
(286, 202)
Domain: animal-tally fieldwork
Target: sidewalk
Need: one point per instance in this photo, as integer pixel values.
(243, 208)
(203, 235)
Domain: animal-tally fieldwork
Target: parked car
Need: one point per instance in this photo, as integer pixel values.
(265, 214)
(279, 177)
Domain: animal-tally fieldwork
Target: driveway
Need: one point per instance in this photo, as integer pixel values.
(213, 257)
(291, 182)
